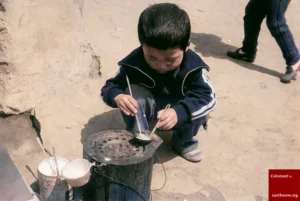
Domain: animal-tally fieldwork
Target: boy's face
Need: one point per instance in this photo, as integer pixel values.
(163, 61)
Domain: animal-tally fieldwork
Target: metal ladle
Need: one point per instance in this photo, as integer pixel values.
(142, 137)
(130, 92)
(145, 139)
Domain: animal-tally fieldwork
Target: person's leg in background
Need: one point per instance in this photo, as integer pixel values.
(183, 140)
(255, 12)
(276, 23)
(146, 109)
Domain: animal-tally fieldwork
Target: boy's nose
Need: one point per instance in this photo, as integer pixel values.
(162, 66)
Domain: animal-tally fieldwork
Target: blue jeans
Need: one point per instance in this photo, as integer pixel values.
(148, 106)
(274, 10)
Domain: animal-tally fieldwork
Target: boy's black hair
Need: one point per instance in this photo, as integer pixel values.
(164, 26)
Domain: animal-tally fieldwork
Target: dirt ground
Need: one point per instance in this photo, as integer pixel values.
(254, 127)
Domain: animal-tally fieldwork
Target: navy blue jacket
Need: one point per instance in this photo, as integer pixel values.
(191, 84)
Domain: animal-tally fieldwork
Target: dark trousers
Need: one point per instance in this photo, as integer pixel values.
(274, 10)
(182, 139)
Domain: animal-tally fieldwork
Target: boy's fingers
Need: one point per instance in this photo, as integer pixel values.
(165, 127)
(130, 106)
(133, 102)
(169, 126)
(163, 123)
(124, 108)
(122, 105)
(163, 117)
(159, 114)
(125, 111)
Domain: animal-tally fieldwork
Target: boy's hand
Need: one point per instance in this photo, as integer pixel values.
(167, 120)
(126, 104)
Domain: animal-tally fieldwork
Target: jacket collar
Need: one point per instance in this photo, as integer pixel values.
(191, 61)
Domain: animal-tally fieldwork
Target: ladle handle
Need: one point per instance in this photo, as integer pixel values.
(42, 147)
(40, 143)
(55, 159)
(130, 91)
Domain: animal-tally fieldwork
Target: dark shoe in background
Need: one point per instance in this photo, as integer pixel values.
(241, 56)
(289, 75)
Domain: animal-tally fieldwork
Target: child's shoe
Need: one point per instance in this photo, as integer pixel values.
(194, 156)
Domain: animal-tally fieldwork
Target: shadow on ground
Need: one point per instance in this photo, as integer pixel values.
(210, 45)
(207, 193)
(165, 152)
(18, 135)
(112, 120)
(34, 185)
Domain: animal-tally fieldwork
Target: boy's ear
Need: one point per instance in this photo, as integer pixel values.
(187, 47)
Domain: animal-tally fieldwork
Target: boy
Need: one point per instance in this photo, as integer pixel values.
(163, 71)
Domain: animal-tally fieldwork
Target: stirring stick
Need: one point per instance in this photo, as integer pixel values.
(55, 159)
(42, 147)
(155, 127)
(137, 120)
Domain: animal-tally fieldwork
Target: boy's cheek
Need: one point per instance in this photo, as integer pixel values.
(152, 65)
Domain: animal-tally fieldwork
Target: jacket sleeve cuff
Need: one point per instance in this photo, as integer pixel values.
(112, 94)
(182, 114)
